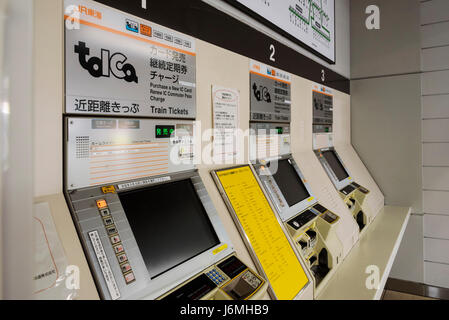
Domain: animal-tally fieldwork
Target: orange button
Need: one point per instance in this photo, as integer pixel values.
(145, 30)
(102, 204)
(109, 189)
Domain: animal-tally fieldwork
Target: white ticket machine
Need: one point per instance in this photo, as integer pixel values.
(146, 222)
(309, 225)
(352, 193)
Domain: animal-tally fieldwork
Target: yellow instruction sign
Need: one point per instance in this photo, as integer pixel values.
(280, 264)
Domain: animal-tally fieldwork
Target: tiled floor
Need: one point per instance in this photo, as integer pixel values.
(393, 295)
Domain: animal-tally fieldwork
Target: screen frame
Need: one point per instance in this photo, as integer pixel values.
(181, 273)
(144, 287)
(284, 33)
(286, 212)
(330, 172)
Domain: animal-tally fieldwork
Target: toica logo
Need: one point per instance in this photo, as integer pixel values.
(107, 64)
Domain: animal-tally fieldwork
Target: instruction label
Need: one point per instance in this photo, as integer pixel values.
(104, 265)
(225, 103)
(276, 256)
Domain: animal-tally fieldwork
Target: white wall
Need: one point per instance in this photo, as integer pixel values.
(394, 86)
(2, 132)
(394, 49)
(342, 26)
(386, 114)
(435, 139)
(48, 98)
(17, 176)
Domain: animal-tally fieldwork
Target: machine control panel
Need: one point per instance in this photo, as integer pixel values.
(194, 290)
(360, 188)
(129, 255)
(354, 196)
(306, 230)
(116, 242)
(348, 190)
(301, 220)
(216, 276)
(354, 187)
(307, 216)
(230, 278)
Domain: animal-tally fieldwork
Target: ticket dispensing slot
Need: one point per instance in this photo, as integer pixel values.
(151, 237)
(353, 194)
(310, 225)
(229, 279)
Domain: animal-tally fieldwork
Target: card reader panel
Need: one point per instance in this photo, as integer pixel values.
(230, 279)
(354, 196)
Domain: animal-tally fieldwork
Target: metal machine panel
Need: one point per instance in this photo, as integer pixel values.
(269, 140)
(112, 249)
(106, 150)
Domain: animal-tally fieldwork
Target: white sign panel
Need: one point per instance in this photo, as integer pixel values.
(311, 22)
(269, 140)
(117, 64)
(106, 151)
(225, 111)
(270, 93)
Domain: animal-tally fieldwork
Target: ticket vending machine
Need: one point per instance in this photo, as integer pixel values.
(144, 217)
(146, 222)
(352, 193)
(310, 226)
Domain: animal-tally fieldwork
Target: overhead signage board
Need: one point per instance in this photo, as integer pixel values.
(121, 65)
(310, 23)
(270, 90)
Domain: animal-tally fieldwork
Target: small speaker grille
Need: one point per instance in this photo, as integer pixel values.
(82, 147)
